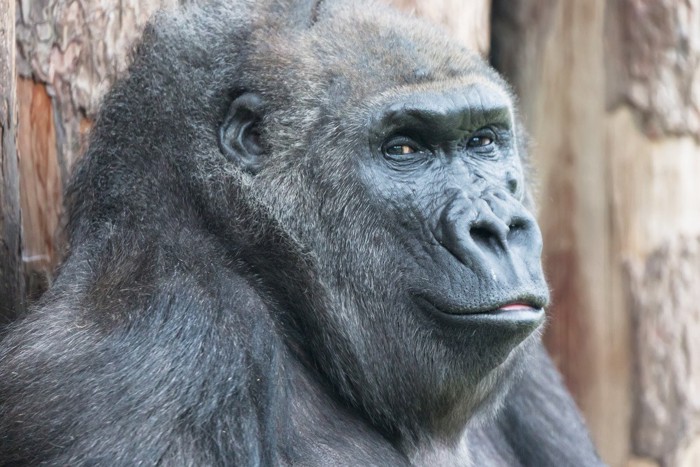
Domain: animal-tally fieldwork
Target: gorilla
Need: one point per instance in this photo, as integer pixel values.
(301, 235)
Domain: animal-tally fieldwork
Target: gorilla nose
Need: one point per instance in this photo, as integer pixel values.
(488, 231)
(492, 231)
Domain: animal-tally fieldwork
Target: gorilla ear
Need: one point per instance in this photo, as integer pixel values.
(239, 135)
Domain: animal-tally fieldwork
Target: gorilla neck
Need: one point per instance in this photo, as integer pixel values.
(310, 409)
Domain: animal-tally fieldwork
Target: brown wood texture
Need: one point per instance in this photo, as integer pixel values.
(609, 91)
(70, 52)
(468, 22)
(11, 277)
(40, 185)
(553, 53)
(652, 64)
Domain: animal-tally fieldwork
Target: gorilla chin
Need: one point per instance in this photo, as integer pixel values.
(506, 331)
(500, 321)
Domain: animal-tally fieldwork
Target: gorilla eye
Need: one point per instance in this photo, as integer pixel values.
(400, 150)
(481, 139)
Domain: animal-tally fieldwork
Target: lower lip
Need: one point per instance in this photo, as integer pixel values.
(515, 315)
(514, 307)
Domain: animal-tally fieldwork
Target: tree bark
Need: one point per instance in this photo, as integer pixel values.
(653, 97)
(11, 280)
(70, 53)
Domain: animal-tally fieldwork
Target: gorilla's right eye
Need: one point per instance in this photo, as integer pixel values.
(400, 147)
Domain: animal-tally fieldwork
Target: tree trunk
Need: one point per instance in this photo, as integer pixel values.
(653, 97)
(11, 280)
(70, 52)
(611, 94)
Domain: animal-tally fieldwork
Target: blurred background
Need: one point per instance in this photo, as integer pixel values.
(610, 93)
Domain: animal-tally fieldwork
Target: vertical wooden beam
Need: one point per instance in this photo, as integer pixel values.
(553, 52)
(40, 185)
(653, 128)
(11, 278)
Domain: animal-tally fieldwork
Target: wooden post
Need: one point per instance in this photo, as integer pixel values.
(552, 51)
(653, 145)
(11, 272)
(610, 91)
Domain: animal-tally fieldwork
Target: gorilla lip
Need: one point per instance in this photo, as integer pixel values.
(517, 309)
(516, 306)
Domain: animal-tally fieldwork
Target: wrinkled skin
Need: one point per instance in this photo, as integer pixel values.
(301, 235)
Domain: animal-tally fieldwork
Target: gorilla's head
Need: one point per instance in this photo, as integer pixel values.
(370, 174)
(394, 158)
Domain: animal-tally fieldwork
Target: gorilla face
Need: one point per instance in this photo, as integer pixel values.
(447, 169)
(413, 214)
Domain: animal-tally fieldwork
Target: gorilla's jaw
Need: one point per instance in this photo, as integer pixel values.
(423, 379)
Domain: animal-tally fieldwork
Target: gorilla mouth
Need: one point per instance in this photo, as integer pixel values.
(527, 311)
(514, 307)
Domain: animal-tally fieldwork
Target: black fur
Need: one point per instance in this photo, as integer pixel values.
(249, 280)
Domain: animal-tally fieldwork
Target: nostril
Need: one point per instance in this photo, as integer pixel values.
(521, 230)
(488, 237)
(517, 224)
(481, 235)
(513, 185)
